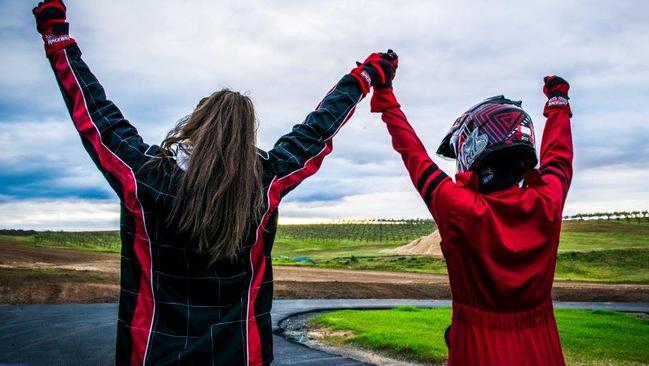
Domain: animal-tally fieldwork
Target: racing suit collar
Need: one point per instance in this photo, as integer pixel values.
(471, 179)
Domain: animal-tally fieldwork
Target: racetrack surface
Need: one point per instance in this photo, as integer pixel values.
(84, 334)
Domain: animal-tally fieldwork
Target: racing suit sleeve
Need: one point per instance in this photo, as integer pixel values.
(557, 152)
(112, 142)
(299, 154)
(428, 178)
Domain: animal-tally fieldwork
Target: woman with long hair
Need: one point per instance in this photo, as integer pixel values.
(198, 212)
(499, 222)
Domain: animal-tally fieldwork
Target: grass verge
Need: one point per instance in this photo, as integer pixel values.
(588, 337)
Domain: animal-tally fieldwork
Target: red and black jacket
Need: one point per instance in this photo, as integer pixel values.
(174, 308)
(500, 248)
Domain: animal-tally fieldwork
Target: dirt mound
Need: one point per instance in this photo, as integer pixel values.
(426, 245)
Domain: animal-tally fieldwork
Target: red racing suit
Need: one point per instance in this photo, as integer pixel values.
(500, 248)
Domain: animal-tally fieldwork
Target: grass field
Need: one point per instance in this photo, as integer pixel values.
(587, 337)
(603, 235)
(602, 251)
(327, 241)
(97, 241)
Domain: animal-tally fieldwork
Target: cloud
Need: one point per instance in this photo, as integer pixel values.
(387, 205)
(614, 188)
(46, 159)
(156, 59)
(48, 214)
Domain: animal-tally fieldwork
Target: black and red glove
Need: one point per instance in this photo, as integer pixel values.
(377, 70)
(556, 89)
(51, 24)
(383, 97)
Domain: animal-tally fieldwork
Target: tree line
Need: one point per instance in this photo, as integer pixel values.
(638, 216)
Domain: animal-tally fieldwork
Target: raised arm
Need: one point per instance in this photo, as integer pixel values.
(112, 142)
(427, 177)
(556, 147)
(299, 154)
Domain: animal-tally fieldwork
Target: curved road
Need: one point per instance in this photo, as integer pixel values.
(85, 334)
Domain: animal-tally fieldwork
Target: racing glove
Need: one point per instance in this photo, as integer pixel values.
(556, 89)
(383, 97)
(51, 24)
(376, 71)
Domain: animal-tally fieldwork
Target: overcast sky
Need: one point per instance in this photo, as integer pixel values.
(156, 59)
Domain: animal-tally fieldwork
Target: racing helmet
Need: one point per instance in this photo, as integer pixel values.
(495, 127)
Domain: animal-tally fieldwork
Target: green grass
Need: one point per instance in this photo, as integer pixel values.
(603, 235)
(618, 266)
(587, 337)
(97, 241)
(335, 243)
(327, 241)
(366, 239)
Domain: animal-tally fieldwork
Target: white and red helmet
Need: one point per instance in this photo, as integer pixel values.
(493, 127)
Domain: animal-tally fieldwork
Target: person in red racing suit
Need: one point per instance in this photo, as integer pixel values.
(500, 247)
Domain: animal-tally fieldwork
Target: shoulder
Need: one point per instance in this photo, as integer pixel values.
(267, 170)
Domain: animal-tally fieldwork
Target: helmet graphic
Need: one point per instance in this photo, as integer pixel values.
(496, 125)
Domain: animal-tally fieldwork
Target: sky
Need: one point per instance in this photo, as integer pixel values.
(156, 59)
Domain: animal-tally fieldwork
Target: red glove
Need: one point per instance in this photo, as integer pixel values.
(383, 97)
(51, 24)
(377, 70)
(556, 89)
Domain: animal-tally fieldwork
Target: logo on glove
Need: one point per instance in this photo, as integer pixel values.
(367, 77)
(557, 101)
(56, 38)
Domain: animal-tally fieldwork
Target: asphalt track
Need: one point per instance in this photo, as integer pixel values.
(84, 334)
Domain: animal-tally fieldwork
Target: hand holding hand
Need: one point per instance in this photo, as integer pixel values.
(377, 70)
(50, 23)
(383, 97)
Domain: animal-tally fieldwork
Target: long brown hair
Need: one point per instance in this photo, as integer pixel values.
(221, 189)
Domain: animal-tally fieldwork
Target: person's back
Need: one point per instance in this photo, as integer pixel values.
(499, 235)
(199, 212)
(201, 310)
(510, 240)
(500, 250)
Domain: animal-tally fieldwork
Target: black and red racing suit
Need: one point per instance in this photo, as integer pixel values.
(174, 308)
